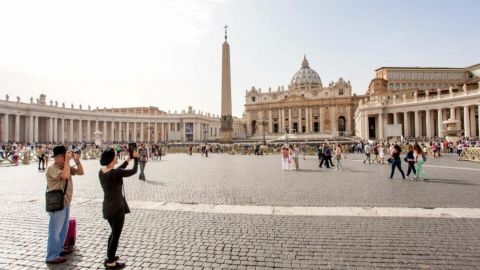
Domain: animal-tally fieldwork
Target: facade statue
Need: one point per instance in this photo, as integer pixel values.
(18, 99)
(7, 97)
(31, 100)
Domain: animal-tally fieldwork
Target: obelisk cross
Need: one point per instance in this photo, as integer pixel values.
(226, 26)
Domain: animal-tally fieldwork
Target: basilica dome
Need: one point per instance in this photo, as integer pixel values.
(306, 76)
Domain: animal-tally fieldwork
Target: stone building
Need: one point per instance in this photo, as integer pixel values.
(416, 102)
(306, 107)
(42, 121)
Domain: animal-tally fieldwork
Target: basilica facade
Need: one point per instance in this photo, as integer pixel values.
(306, 107)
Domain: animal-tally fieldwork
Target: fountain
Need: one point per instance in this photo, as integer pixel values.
(452, 132)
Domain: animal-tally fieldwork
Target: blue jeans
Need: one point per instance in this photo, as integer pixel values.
(396, 163)
(57, 232)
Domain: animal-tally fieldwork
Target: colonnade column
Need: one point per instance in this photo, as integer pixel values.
(416, 124)
(428, 123)
(80, 130)
(35, 133)
(17, 127)
(30, 128)
(104, 130)
(156, 131)
(62, 131)
(466, 121)
(112, 131)
(440, 122)
(134, 131)
(141, 131)
(380, 126)
(71, 130)
(406, 124)
(5, 127)
(55, 129)
(89, 131)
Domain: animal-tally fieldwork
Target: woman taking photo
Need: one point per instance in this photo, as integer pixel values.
(114, 204)
(419, 161)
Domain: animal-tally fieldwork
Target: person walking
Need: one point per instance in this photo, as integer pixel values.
(320, 154)
(338, 156)
(296, 155)
(410, 159)
(59, 177)
(396, 162)
(143, 158)
(114, 203)
(285, 159)
(375, 154)
(420, 159)
(368, 148)
(381, 151)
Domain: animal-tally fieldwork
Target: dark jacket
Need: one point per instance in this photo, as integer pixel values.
(112, 184)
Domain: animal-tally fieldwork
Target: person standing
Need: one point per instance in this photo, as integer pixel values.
(410, 159)
(296, 155)
(420, 158)
(396, 162)
(285, 159)
(320, 154)
(368, 148)
(46, 154)
(40, 156)
(114, 203)
(143, 158)
(338, 156)
(59, 177)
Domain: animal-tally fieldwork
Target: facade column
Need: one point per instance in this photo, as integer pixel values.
(17, 127)
(406, 124)
(281, 129)
(395, 118)
(307, 123)
(466, 121)
(149, 134)
(156, 132)
(30, 128)
(439, 122)
(380, 126)
(321, 121)
(416, 124)
(35, 132)
(299, 125)
(367, 130)
(270, 121)
(290, 124)
(428, 123)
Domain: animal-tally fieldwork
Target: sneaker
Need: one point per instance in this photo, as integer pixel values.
(57, 260)
(388, 177)
(117, 264)
(66, 252)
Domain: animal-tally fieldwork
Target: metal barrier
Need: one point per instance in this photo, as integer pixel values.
(470, 154)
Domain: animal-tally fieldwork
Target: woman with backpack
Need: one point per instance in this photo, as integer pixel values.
(420, 159)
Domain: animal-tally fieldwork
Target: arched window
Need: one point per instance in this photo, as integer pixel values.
(341, 124)
(340, 92)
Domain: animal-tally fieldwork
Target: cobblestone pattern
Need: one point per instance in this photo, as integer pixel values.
(183, 240)
(258, 180)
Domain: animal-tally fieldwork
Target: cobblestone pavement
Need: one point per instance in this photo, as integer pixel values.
(183, 240)
(156, 239)
(258, 180)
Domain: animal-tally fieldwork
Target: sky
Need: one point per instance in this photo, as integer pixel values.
(167, 53)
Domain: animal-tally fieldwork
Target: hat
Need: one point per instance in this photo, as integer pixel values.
(107, 156)
(59, 150)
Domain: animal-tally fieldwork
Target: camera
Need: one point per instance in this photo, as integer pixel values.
(79, 152)
(131, 148)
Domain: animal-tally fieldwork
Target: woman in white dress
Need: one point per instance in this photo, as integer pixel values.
(381, 151)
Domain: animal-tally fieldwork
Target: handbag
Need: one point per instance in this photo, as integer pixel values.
(390, 160)
(127, 208)
(55, 199)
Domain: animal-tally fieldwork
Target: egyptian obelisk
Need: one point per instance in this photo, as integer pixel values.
(226, 116)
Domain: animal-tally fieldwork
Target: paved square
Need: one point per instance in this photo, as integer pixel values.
(160, 239)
